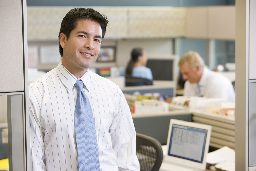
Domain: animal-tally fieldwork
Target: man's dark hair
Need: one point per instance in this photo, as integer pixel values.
(69, 22)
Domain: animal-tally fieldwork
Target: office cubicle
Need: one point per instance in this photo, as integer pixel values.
(13, 84)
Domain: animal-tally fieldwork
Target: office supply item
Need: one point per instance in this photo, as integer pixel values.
(187, 145)
(221, 155)
(150, 107)
(162, 69)
(149, 152)
(4, 164)
(225, 166)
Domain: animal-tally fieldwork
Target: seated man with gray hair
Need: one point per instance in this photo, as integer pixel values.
(201, 81)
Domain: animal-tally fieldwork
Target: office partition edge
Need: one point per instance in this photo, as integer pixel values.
(16, 132)
(25, 67)
(242, 79)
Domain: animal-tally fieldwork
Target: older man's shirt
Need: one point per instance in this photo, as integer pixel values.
(211, 85)
(52, 133)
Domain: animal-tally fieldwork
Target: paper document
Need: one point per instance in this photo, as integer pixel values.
(227, 165)
(221, 155)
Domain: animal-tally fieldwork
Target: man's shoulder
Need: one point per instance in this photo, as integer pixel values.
(43, 79)
(217, 79)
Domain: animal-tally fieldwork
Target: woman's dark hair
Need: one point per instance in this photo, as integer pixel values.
(136, 52)
(69, 22)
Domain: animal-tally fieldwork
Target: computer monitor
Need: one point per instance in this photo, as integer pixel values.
(162, 68)
(188, 143)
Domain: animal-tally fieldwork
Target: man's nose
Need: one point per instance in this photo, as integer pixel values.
(184, 77)
(89, 44)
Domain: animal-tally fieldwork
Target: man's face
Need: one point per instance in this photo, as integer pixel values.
(82, 47)
(189, 74)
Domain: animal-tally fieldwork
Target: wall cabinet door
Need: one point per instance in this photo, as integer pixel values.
(221, 22)
(196, 22)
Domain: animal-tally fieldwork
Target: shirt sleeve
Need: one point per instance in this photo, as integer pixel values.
(36, 136)
(124, 137)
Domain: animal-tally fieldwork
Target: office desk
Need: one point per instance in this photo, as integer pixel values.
(161, 169)
(157, 126)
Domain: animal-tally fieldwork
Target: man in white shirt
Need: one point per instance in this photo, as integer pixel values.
(203, 82)
(53, 100)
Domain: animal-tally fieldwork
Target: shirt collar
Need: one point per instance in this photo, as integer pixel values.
(69, 79)
(202, 81)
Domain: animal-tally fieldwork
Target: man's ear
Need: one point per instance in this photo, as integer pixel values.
(63, 39)
(198, 68)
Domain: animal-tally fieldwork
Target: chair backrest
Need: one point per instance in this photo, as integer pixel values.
(137, 81)
(233, 84)
(149, 152)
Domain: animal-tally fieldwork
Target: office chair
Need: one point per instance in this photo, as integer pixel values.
(233, 84)
(149, 152)
(136, 81)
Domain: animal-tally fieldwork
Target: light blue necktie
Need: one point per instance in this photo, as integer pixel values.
(86, 140)
(198, 90)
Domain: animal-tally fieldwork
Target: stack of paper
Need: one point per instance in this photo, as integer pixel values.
(224, 158)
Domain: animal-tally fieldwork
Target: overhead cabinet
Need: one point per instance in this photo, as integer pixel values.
(211, 22)
(143, 22)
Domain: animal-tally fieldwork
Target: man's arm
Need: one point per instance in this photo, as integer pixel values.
(123, 137)
(36, 138)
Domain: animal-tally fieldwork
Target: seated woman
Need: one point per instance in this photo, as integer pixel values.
(137, 65)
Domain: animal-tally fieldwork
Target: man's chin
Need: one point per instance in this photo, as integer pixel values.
(191, 82)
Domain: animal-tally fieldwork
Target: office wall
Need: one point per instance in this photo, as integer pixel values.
(153, 47)
(175, 3)
(198, 45)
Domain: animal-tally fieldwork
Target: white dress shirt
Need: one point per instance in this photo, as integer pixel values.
(52, 135)
(212, 85)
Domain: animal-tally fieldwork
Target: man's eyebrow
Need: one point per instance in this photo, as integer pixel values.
(83, 32)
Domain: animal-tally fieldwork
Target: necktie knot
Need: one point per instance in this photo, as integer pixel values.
(79, 85)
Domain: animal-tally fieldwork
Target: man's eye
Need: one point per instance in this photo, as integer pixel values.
(81, 36)
(97, 40)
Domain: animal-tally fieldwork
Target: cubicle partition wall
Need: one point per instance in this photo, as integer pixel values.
(13, 84)
(157, 125)
(164, 88)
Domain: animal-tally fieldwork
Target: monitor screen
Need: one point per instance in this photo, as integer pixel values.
(187, 143)
(162, 69)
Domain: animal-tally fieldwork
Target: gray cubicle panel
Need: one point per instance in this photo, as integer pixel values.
(157, 126)
(11, 43)
(162, 91)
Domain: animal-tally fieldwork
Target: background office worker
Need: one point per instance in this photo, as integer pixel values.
(55, 99)
(203, 82)
(137, 65)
